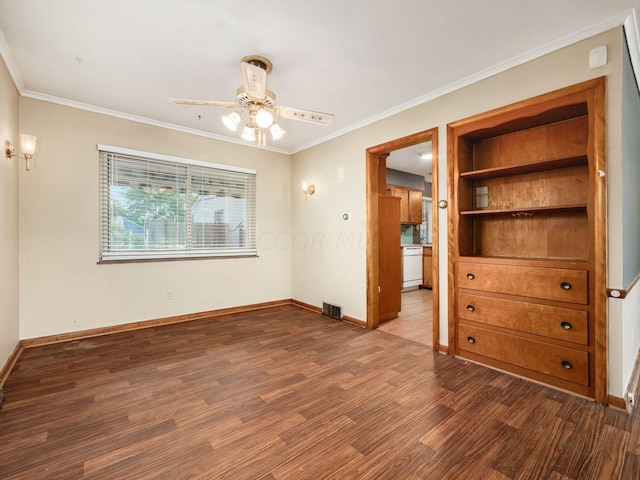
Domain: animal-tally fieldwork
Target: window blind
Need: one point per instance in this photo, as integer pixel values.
(154, 206)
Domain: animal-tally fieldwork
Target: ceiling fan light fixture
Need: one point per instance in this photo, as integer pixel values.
(259, 102)
(262, 137)
(276, 131)
(249, 134)
(264, 119)
(231, 121)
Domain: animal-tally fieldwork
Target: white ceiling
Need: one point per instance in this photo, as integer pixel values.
(361, 60)
(409, 160)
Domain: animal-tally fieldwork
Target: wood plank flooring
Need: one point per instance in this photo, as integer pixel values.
(285, 393)
(415, 321)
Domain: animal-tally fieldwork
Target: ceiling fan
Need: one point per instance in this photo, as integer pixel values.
(254, 97)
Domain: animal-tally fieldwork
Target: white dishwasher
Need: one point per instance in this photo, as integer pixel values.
(411, 267)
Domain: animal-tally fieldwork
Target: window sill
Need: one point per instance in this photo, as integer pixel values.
(173, 259)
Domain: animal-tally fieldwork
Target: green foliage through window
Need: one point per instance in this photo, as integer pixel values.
(154, 208)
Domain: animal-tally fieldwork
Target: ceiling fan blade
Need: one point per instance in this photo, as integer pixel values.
(205, 103)
(255, 80)
(305, 115)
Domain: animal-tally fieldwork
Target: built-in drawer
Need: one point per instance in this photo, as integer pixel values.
(560, 362)
(565, 285)
(554, 322)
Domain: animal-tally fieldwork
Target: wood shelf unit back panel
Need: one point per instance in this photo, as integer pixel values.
(563, 139)
(548, 235)
(562, 186)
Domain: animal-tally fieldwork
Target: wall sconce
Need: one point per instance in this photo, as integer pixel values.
(308, 190)
(28, 145)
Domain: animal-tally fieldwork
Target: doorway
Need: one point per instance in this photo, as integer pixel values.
(425, 310)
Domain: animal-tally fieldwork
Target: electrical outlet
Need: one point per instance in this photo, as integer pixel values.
(630, 398)
(169, 294)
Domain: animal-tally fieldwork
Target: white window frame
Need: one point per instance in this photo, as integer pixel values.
(108, 254)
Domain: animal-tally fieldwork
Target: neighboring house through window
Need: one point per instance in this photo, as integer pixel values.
(156, 206)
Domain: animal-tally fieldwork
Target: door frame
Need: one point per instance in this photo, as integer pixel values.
(373, 179)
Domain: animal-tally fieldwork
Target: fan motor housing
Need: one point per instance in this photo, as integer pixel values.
(243, 98)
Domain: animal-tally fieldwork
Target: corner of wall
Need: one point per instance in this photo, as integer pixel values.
(9, 247)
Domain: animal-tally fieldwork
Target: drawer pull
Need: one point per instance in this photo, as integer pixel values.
(565, 286)
(471, 340)
(566, 325)
(471, 308)
(566, 364)
(470, 276)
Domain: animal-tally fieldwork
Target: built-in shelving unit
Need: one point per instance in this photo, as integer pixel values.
(525, 194)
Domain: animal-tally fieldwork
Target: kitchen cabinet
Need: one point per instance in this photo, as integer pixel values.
(410, 204)
(415, 207)
(427, 267)
(526, 189)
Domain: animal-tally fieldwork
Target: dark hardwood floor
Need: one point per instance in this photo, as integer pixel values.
(284, 393)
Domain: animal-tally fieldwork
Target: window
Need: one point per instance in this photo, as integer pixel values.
(426, 227)
(155, 206)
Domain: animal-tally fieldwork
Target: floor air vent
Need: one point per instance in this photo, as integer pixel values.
(333, 311)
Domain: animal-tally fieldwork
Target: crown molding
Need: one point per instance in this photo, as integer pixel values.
(630, 20)
(538, 52)
(148, 121)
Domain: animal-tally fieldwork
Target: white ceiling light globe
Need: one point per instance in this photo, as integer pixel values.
(264, 119)
(231, 121)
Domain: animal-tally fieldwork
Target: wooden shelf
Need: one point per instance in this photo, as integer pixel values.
(525, 210)
(553, 262)
(525, 168)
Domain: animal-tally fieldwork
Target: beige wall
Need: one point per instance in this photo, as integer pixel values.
(9, 169)
(62, 289)
(338, 274)
(306, 251)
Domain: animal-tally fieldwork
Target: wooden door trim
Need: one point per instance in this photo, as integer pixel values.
(435, 267)
(452, 244)
(597, 101)
(372, 192)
